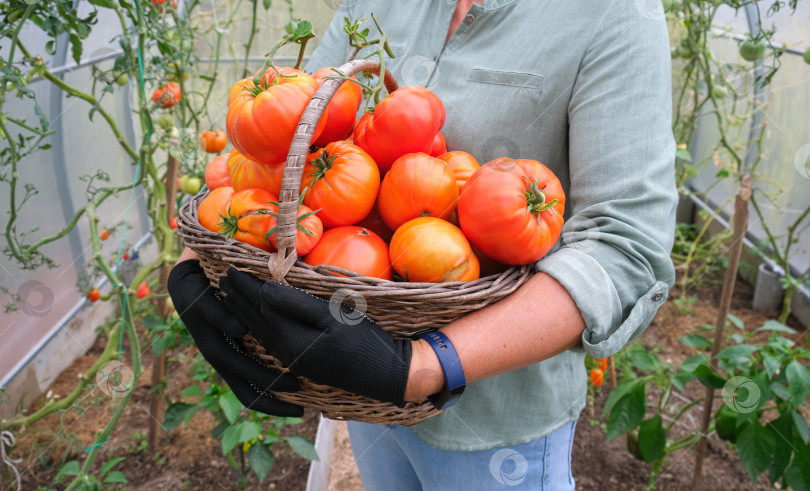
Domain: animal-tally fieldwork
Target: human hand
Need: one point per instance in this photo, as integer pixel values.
(216, 331)
(326, 342)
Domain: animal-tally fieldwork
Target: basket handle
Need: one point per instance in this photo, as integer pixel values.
(281, 262)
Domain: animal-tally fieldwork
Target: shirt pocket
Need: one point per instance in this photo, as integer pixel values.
(515, 80)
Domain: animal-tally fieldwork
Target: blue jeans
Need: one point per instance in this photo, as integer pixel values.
(393, 458)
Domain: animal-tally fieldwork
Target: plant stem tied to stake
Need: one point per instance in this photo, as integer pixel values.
(740, 224)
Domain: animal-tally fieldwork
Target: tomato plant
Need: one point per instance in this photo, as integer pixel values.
(342, 182)
(213, 141)
(167, 95)
(512, 210)
(406, 121)
(353, 249)
(418, 185)
(262, 119)
(432, 250)
(341, 109)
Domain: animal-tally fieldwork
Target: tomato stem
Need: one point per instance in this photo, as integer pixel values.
(536, 198)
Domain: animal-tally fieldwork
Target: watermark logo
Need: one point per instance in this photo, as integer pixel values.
(653, 9)
(115, 379)
(734, 80)
(191, 148)
(741, 394)
(35, 298)
(581, 233)
(333, 4)
(508, 467)
(500, 146)
(347, 315)
(802, 161)
(418, 70)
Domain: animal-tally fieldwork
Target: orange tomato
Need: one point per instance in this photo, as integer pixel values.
(310, 231)
(167, 95)
(439, 146)
(432, 250)
(342, 182)
(341, 110)
(93, 295)
(216, 172)
(602, 363)
(248, 174)
(246, 213)
(173, 223)
(143, 290)
(462, 164)
(208, 211)
(597, 377)
(417, 185)
(213, 141)
(354, 249)
(104, 234)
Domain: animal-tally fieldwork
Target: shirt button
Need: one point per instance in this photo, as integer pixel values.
(657, 296)
(469, 18)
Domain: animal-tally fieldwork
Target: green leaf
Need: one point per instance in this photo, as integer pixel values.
(191, 391)
(220, 429)
(683, 154)
(755, 444)
(618, 393)
(772, 325)
(798, 378)
(177, 413)
(722, 173)
(110, 464)
(780, 390)
(239, 433)
(69, 469)
(104, 3)
(302, 30)
(709, 377)
(797, 476)
(801, 425)
(627, 413)
(230, 405)
(643, 360)
(771, 362)
(261, 460)
(159, 344)
(155, 323)
(736, 351)
(690, 364)
(115, 476)
(76, 48)
(303, 447)
(652, 439)
(695, 341)
(736, 321)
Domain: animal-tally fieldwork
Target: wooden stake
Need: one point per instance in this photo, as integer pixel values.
(612, 366)
(155, 403)
(740, 224)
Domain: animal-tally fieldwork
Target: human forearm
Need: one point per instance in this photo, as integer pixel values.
(536, 322)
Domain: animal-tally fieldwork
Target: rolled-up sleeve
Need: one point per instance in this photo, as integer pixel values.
(614, 254)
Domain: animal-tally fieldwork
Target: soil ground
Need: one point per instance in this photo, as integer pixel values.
(190, 458)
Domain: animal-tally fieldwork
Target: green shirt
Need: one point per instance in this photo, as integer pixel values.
(585, 88)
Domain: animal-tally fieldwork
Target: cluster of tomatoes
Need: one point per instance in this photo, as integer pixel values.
(380, 194)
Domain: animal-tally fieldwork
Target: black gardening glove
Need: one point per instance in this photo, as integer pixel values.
(307, 335)
(216, 331)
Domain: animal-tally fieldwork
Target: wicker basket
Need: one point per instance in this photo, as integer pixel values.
(403, 309)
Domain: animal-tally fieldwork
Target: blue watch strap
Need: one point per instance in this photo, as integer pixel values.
(454, 378)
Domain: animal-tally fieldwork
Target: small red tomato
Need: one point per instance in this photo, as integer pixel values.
(173, 223)
(104, 234)
(125, 256)
(597, 377)
(93, 295)
(143, 290)
(167, 95)
(602, 363)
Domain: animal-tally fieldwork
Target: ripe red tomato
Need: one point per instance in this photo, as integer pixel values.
(342, 182)
(512, 210)
(597, 377)
(261, 120)
(602, 363)
(160, 5)
(354, 249)
(310, 230)
(374, 223)
(432, 250)
(216, 173)
(439, 146)
(143, 290)
(104, 234)
(418, 185)
(248, 174)
(462, 164)
(93, 295)
(404, 122)
(208, 211)
(213, 141)
(173, 223)
(167, 95)
(342, 109)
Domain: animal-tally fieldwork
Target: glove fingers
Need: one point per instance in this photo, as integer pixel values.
(252, 397)
(196, 302)
(242, 307)
(301, 305)
(239, 283)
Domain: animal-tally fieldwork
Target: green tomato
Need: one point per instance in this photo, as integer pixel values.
(190, 185)
(807, 56)
(165, 121)
(719, 92)
(122, 79)
(674, 52)
(752, 50)
(686, 52)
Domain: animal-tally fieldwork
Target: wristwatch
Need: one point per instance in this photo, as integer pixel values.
(454, 379)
